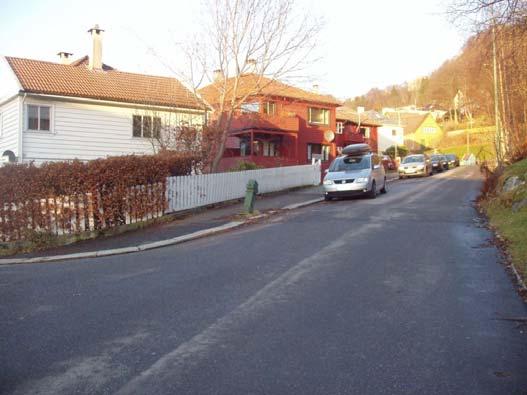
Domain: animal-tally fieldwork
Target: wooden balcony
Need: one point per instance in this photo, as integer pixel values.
(285, 123)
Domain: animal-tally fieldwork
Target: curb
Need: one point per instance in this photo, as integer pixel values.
(149, 246)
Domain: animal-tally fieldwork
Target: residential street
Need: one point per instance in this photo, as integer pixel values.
(398, 295)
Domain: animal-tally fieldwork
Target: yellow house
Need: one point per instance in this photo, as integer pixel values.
(421, 131)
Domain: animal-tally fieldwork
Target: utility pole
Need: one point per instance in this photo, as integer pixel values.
(396, 137)
(496, 107)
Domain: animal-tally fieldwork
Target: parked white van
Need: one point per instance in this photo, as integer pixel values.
(357, 172)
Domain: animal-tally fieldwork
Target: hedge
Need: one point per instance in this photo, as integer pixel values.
(73, 196)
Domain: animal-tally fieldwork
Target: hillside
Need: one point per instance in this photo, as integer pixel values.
(469, 72)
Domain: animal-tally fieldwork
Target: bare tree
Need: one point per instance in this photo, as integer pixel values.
(271, 39)
(504, 23)
(481, 14)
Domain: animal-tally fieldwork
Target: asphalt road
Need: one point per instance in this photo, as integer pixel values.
(398, 295)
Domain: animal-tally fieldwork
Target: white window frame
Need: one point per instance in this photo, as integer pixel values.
(152, 118)
(267, 106)
(326, 117)
(325, 151)
(367, 131)
(51, 118)
(250, 108)
(340, 127)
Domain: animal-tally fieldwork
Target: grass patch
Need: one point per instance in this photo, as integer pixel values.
(510, 224)
(481, 151)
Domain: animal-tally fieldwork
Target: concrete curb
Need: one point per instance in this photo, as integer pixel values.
(149, 246)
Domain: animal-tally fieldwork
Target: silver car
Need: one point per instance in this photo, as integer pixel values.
(355, 174)
(415, 165)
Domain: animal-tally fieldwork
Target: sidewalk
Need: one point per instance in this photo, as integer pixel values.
(179, 227)
(182, 227)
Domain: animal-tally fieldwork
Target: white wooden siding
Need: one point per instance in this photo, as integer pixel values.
(9, 114)
(187, 192)
(85, 132)
(386, 139)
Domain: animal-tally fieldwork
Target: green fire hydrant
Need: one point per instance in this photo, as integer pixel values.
(250, 196)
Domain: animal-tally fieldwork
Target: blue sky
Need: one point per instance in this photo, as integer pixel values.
(364, 44)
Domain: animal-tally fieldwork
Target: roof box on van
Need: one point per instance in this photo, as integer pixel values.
(356, 149)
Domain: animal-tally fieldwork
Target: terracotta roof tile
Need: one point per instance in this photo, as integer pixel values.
(347, 114)
(255, 85)
(76, 80)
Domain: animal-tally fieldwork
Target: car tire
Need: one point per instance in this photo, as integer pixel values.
(402, 177)
(383, 189)
(372, 193)
(328, 198)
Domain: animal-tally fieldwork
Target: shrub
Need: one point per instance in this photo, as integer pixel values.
(402, 151)
(57, 196)
(241, 166)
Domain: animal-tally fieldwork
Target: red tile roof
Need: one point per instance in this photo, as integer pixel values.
(76, 80)
(347, 114)
(255, 85)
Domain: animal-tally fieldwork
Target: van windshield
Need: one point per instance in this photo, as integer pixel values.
(348, 163)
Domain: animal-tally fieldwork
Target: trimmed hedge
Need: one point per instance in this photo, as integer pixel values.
(57, 195)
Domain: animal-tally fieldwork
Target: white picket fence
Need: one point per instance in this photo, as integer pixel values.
(187, 192)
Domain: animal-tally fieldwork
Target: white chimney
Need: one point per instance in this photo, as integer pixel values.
(251, 65)
(316, 88)
(64, 57)
(218, 75)
(96, 58)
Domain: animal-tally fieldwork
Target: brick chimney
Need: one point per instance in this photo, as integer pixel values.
(96, 58)
(64, 57)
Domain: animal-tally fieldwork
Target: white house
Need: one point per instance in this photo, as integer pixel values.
(85, 109)
(389, 132)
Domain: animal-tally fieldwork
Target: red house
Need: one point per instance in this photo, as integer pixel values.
(280, 126)
(354, 128)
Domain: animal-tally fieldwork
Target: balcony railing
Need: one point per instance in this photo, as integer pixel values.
(265, 122)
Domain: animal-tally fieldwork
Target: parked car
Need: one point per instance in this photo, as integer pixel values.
(357, 172)
(388, 163)
(415, 165)
(453, 160)
(439, 162)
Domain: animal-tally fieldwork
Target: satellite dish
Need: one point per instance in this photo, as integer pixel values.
(329, 135)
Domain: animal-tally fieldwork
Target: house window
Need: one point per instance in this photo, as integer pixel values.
(250, 107)
(269, 108)
(270, 149)
(146, 126)
(318, 151)
(394, 132)
(365, 132)
(38, 118)
(429, 129)
(340, 127)
(318, 116)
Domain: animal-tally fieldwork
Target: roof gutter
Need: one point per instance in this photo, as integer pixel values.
(113, 103)
(9, 99)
